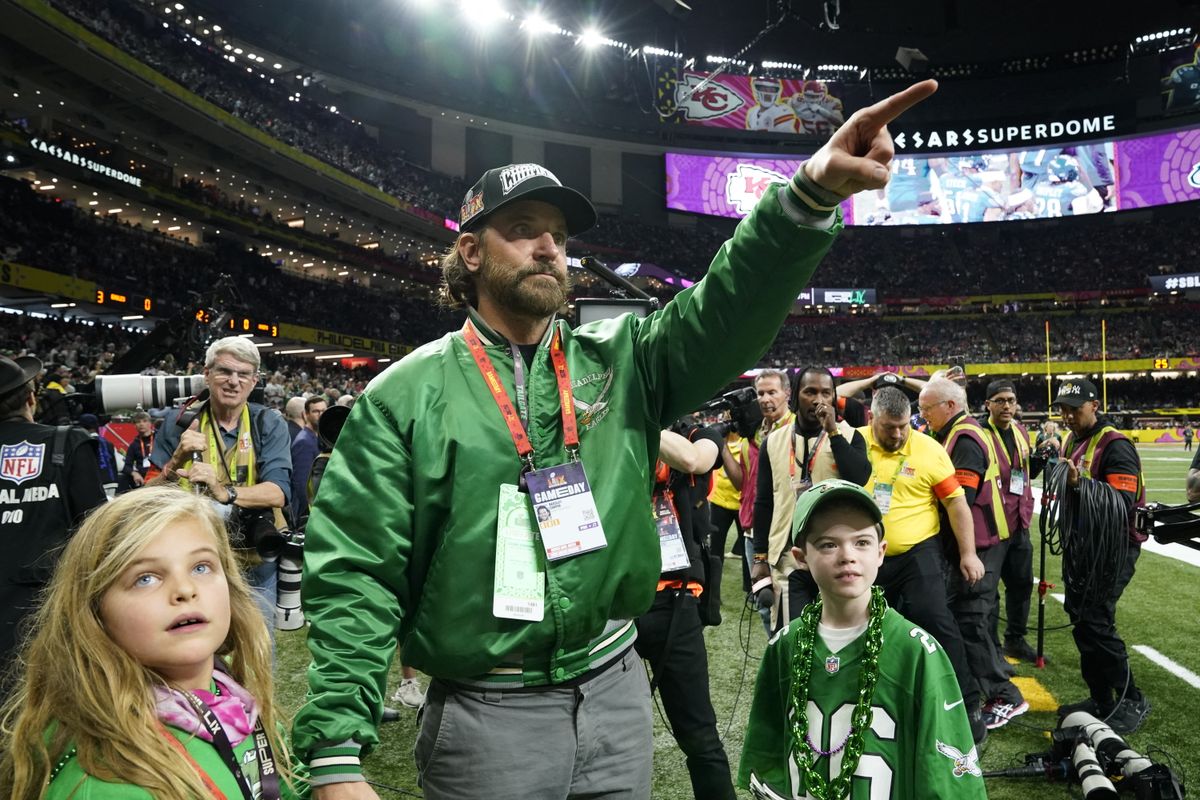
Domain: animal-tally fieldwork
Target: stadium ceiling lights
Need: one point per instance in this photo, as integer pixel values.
(651, 50)
(482, 14)
(1150, 37)
(782, 65)
(536, 25)
(724, 60)
(591, 38)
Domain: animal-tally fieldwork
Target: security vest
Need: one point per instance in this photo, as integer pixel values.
(987, 511)
(783, 451)
(1018, 508)
(1089, 456)
(749, 462)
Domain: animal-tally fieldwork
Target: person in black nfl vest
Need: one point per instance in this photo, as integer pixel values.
(49, 479)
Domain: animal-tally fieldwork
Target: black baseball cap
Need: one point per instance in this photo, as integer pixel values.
(1000, 385)
(14, 373)
(1075, 392)
(503, 185)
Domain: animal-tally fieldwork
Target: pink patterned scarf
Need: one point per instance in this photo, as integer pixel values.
(233, 706)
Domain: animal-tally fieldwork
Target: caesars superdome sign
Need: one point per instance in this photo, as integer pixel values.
(1010, 134)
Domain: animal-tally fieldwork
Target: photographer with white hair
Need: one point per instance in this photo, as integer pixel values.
(237, 452)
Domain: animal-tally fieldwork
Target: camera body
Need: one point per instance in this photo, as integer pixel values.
(744, 414)
(254, 529)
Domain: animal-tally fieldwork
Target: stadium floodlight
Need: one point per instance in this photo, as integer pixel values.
(535, 25)
(482, 14)
(217, 28)
(591, 38)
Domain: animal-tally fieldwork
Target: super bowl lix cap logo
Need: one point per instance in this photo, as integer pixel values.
(513, 176)
(470, 207)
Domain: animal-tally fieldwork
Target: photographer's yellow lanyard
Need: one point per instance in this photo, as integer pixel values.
(237, 462)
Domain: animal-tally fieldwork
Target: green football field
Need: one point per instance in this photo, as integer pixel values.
(1158, 616)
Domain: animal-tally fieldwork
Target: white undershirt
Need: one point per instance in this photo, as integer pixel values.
(837, 638)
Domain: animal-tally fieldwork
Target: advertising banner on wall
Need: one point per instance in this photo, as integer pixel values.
(774, 105)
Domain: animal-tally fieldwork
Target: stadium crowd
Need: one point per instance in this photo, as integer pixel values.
(1021, 258)
(39, 232)
(87, 349)
(36, 230)
(991, 338)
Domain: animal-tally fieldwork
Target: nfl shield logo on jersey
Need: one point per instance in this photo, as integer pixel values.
(21, 462)
(833, 664)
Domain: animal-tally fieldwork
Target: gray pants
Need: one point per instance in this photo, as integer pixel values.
(594, 740)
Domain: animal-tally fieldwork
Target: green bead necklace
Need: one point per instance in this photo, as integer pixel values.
(860, 720)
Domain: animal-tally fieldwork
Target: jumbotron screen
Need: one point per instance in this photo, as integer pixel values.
(1092, 178)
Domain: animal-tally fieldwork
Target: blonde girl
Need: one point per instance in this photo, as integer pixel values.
(147, 614)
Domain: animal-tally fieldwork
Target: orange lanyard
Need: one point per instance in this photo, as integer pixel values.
(204, 776)
(811, 461)
(513, 420)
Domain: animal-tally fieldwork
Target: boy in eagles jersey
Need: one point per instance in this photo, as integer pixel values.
(853, 700)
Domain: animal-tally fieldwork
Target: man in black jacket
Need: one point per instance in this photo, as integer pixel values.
(49, 478)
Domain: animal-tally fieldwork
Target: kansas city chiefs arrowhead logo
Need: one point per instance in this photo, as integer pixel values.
(746, 184)
(708, 101)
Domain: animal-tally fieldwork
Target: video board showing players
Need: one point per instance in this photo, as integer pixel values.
(1181, 80)
(1043, 183)
(992, 187)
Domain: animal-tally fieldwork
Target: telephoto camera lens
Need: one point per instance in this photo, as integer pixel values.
(288, 614)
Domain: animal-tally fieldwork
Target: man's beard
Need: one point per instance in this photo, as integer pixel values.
(512, 290)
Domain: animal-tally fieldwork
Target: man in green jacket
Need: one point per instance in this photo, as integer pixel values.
(425, 532)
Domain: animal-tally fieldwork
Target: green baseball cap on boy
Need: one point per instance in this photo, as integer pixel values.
(824, 492)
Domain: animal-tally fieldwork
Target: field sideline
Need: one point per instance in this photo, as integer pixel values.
(1159, 617)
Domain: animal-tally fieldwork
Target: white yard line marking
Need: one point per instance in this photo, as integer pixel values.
(1176, 669)
(1176, 551)
(1062, 598)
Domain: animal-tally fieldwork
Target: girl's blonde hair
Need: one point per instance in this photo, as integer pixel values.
(78, 688)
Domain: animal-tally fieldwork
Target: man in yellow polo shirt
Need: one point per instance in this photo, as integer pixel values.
(911, 476)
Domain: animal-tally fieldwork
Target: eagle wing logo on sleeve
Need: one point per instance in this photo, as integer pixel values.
(964, 763)
(591, 413)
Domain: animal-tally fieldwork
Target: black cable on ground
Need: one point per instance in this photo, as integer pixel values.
(745, 663)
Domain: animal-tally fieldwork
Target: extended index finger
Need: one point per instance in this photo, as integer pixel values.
(892, 107)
